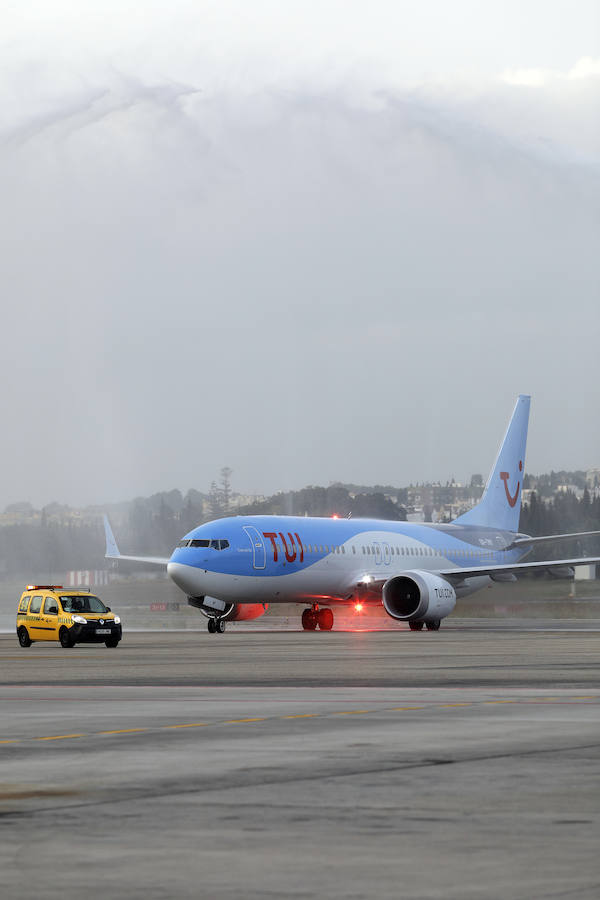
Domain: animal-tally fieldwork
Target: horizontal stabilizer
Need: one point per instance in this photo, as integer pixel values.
(550, 538)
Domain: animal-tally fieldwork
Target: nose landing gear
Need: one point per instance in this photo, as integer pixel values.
(315, 616)
(216, 626)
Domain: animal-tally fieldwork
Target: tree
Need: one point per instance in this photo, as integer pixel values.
(226, 474)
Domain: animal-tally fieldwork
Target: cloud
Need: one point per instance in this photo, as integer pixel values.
(298, 282)
(584, 68)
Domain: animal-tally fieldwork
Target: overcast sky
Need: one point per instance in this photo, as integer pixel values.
(312, 241)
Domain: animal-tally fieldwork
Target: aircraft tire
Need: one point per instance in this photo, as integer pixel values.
(23, 635)
(309, 620)
(433, 626)
(416, 626)
(325, 619)
(220, 626)
(211, 625)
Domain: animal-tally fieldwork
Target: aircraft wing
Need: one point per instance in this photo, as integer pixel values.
(550, 538)
(373, 584)
(459, 573)
(112, 551)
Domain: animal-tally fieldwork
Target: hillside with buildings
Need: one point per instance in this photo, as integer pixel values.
(59, 538)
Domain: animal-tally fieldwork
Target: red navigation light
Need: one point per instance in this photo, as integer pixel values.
(358, 607)
(335, 516)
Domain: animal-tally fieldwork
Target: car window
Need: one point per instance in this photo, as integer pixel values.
(51, 606)
(86, 603)
(24, 603)
(35, 605)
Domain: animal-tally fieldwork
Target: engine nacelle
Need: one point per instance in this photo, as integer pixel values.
(244, 611)
(418, 596)
(233, 612)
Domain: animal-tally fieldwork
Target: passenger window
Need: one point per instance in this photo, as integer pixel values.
(35, 605)
(23, 604)
(50, 606)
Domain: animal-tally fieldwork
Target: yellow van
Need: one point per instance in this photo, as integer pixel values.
(48, 612)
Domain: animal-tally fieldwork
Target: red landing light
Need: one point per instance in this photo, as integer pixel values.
(358, 607)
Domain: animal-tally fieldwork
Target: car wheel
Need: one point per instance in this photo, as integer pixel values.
(112, 642)
(23, 635)
(65, 638)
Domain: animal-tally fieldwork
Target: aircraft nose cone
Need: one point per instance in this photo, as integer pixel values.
(185, 577)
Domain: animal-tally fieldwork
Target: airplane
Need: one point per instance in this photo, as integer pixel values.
(231, 569)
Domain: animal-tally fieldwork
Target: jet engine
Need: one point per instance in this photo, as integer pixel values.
(211, 607)
(418, 597)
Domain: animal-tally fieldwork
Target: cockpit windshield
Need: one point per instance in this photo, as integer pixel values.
(87, 603)
(216, 544)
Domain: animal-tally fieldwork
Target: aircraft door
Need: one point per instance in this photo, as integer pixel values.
(259, 554)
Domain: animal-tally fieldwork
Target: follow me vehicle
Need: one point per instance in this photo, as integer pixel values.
(233, 568)
(48, 612)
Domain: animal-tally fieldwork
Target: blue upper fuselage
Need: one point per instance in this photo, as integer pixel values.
(278, 545)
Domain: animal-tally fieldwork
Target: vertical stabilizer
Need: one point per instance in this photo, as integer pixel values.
(500, 505)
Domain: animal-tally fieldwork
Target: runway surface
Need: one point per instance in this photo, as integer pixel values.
(462, 764)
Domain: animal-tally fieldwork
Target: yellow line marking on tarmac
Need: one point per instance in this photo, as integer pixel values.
(446, 705)
(122, 731)
(343, 712)
(187, 725)
(240, 721)
(301, 716)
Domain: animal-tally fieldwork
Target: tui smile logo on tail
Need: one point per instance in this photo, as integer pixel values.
(505, 476)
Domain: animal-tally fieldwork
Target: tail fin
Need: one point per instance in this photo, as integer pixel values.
(500, 505)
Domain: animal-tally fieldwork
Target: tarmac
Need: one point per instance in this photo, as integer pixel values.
(462, 763)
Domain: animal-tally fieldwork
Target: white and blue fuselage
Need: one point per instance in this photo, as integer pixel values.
(268, 559)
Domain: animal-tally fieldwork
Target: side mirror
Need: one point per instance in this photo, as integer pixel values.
(108, 609)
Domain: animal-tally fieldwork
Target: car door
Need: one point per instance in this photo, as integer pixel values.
(49, 622)
(34, 623)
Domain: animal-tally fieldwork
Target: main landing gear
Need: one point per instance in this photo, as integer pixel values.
(216, 626)
(315, 616)
(430, 626)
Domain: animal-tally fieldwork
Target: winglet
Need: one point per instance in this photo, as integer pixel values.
(112, 551)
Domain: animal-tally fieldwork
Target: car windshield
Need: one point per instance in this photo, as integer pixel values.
(87, 603)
